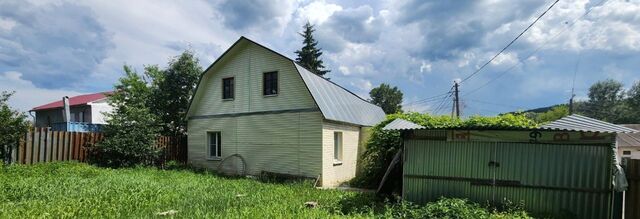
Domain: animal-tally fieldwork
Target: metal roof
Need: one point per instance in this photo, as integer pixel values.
(629, 139)
(401, 124)
(569, 123)
(585, 124)
(75, 100)
(337, 103)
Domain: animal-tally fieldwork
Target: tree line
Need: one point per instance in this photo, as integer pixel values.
(607, 101)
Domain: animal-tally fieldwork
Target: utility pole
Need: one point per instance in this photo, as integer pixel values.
(571, 103)
(456, 100)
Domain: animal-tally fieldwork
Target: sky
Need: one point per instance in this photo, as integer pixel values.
(53, 48)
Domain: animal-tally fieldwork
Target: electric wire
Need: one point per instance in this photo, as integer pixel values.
(545, 43)
(510, 43)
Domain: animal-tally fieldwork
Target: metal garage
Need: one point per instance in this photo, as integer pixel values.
(565, 168)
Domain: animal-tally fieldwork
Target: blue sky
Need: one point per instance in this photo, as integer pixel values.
(49, 49)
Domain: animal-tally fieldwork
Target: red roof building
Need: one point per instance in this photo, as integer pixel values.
(84, 109)
(74, 101)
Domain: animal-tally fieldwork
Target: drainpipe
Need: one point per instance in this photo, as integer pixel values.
(66, 113)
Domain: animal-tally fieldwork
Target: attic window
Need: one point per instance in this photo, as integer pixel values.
(228, 91)
(270, 83)
(626, 152)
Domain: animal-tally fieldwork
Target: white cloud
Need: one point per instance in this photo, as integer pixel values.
(505, 59)
(425, 67)
(362, 85)
(27, 94)
(317, 12)
(344, 70)
(6, 24)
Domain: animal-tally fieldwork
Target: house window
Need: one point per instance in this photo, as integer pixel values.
(80, 117)
(215, 144)
(337, 147)
(626, 152)
(228, 90)
(270, 83)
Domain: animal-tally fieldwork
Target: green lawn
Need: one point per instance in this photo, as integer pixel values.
(72, 190)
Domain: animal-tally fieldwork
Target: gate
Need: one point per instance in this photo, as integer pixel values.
(561, 179)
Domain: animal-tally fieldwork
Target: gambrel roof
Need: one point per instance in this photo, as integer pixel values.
(335, 102)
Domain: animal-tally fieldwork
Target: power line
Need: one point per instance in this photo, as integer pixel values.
(510, 43)
(428, 99)
(496, 104)
(601, 3)
(441, 104)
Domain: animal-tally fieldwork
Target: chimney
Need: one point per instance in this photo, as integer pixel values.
(66, 113)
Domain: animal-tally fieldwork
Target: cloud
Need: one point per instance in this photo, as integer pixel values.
(57, 45)
(356, 25)
(261, 14)
(317, 12)
(27, 94)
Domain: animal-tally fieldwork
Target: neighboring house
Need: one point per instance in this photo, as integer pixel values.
(279, 117)
(629, 143)
(86, 113)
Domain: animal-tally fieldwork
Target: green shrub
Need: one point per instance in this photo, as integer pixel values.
(449, 208)
(131, 131)
(383, 144)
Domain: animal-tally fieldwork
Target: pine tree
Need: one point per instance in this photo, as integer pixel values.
(309, 55)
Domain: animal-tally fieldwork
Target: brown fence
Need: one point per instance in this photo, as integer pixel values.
(632, 195)
(44, 145)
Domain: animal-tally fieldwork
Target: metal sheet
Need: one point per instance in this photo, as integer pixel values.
(570, 123)
(337, 103)
(585, 124)
(547, 178)
(401, 124)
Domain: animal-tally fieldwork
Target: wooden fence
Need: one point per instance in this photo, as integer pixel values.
(44, 145)
(632, 195)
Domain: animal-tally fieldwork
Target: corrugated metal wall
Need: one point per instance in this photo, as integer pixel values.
(547, 178)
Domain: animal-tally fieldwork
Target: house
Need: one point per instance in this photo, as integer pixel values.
(566, 168)
(86, 113)
(629, 143)
(255, 110)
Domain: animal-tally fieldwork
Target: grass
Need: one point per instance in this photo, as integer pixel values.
(75, 190)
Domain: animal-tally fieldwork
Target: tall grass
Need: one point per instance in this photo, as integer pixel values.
(75, 190)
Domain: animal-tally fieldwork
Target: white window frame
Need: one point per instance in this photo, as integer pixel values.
(218, 145)
(338, 147)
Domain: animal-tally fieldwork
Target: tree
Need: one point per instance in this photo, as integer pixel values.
(605, 101)
(553, 114)
(13, 125)
(309, 55)
(389, 99)
(131, 128)
(171, 91)
(633, 101)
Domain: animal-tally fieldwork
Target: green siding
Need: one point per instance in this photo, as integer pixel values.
(284, 142)
(293, 147)
(558, 178)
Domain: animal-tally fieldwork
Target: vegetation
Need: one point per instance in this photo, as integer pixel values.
(383, 144)
(131, 130)
(74, 190)
(171, 91)
(608, 101)
(388, 98)
(13, 125)
(553, 114)
(309, 54)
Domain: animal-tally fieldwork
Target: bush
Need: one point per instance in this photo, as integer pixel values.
(131, 132)
(450, 208)
(383, 144)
